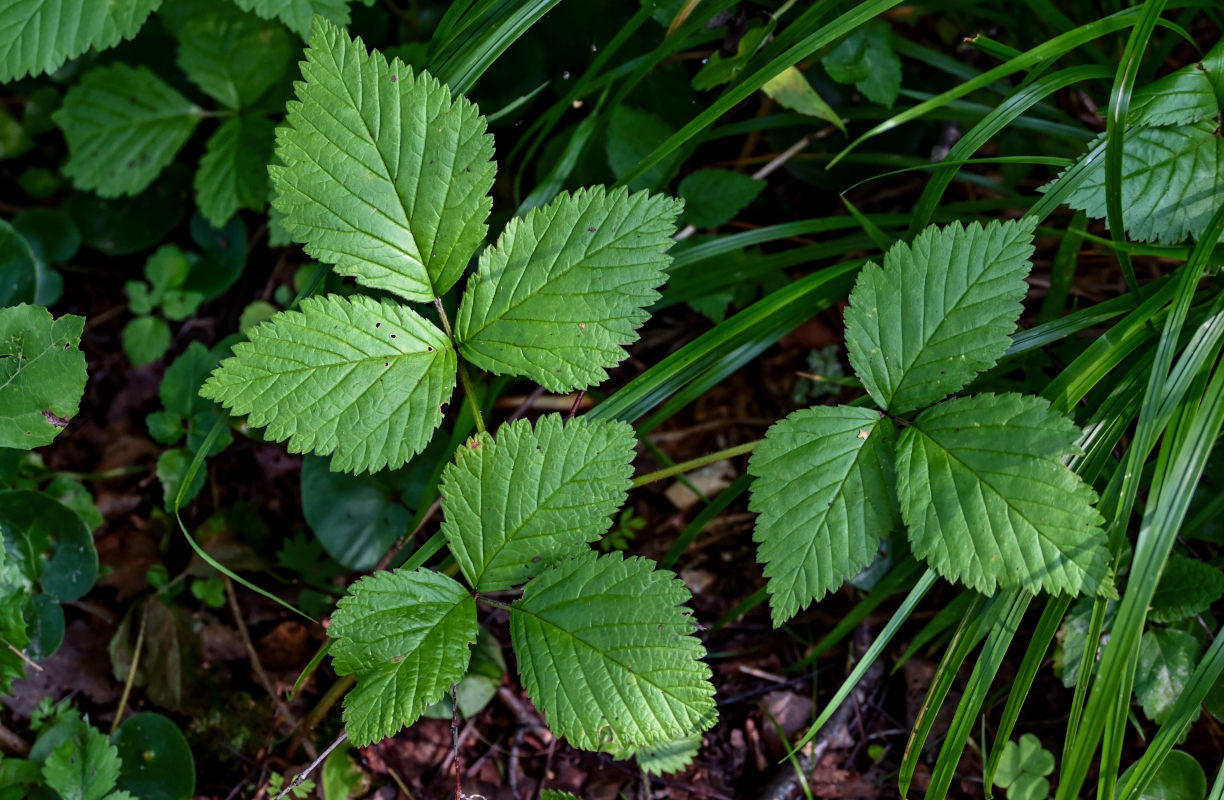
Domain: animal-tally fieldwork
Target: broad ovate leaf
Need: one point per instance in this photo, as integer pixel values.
(1179, 98)
(42, 375)
(566, 287)
(1188, 587)
(535, 494)
(123, 125)
(298, 14)
(381, 171)
(234, 57)
(406, 636)
(355, 378)
(825, 493)
(233, 170)
(1171, 179)
(38, 36)
(939, 312)
(989, 503)
(606, 651)
(1167, 658)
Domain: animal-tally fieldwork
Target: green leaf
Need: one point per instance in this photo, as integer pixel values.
(356, 377)
(713, 196)
(84, 767)
(1180, 777)
(567, 286)
(515, 505)
(123, 125)
(233, 170)
(14, 592)
(356, 517)
(990, 504)
(1023, 769)
(157, 763)
(631, 136)
(1179, 98)
(48, 544)
(720, 69)
(146, 339)
(1073, 639)
(1167, 657)
(866, 59)
(381, 172)
(674, 756)
(553, 794)
(790, 89)
(607, 653)
(234, 57)
(406, 636)
(941, 311)
(180, 386)
(341, 776)
(824, 489)
(485, 673)
(18, 268)
(42, 375)
(1187, 588)
(1169, 180)
(36, 37)
(297, 14)
(172, 466)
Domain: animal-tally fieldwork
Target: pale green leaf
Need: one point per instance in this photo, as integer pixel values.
(825, 493)
(83, 767)
(790, 89)
(297, 14)
(123, 125)
(515, 505)
(940, 312)
(42, 375)
(713, 196)
(567, 286)
(1167, 658)
(990, 504)
(233, 171)
(1187, 588)
(1179, 98)
(234, 57)
(38, 36)
(406, 636)
(356, 377)
(1171, 180)
(381, 172)
(607, 653)
(866, 59)
(146, 339)
(1027, 756)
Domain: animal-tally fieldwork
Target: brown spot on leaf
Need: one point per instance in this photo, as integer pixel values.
(59, 422)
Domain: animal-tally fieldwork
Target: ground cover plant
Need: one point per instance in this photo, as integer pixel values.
(527, 398)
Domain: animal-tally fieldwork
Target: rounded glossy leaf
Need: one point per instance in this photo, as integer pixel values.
(1181, 777)
(157, 763)
(49, 543)
(356, 517)
(44, 625)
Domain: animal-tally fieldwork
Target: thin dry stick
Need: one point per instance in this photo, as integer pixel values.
(24, 657)
(455, 739)
(319, 759)
(131, 676)
(257, 665)
(13, 742)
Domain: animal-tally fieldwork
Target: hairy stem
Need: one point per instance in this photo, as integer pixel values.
(464, 378)
(689, 466)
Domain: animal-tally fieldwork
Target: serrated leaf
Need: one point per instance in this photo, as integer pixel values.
(381, 172)
(298, 14)
(606, 652)
(1171, 179)
(356, 377)
(38, 36)
(567, 286)
(515, 505)
(825, 492)
(406, 636)
(1073, 639)
(233, 170)
(234, 57)
(123, 125)
(42, 374)
(84, 767)
(1167, 658)
(1187, 588)
(989, 503)
(1179, 98)
(940, 312)
(674, 756)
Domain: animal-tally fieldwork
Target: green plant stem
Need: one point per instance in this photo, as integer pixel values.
(495, 604)
(689, 466)
(464, 378)
(131, 676)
